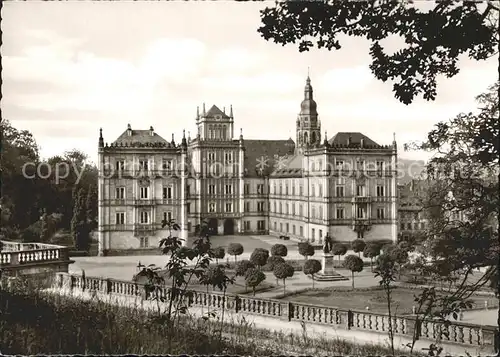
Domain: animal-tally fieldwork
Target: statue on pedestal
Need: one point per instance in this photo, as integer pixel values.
(328, 244)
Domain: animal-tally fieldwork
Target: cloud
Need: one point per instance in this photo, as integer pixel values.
(96, 83)
(343, 80)
(236, 60)
(275, 83)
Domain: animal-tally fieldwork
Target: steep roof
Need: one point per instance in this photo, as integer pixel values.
(139, 136)
(342, 137)
(264, 154)
(214, 111)
(290, 167)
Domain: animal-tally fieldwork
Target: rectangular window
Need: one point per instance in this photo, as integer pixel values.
(301, 230)
(247, 225)
(143, 165)
(286, 190)
(301, 190)
(293, 209)
(275, 228)
(402, 226)
(166, 164)
(300, 210)
(288, 227)
(339, 190)
(380, 166)
(360, 190)
(313, 190)
(320, 190)
(286, 208)
(229, 189)
(361, 212)
(320, 234)
(281, 227)
(313, 212)
(167, 191)
(188, 207)
(260, 206)
(246, 189)
(281, 208)
(293, 229)
(120, 218)
(211, 156)
(340, 213)
(313, 234)
(281, 189)
(211, 207)
(274, 207)
(380, 213)
(144, 217)
(229, 207)
(260, 189)
(247, 206)
(293, 190)
(320, 212)
(144, 242)
(228, 157)
(211, 189)
(167, 216)
(144, 191)
(261, 225)
(380, 191)
(120, 165)
(120, 193)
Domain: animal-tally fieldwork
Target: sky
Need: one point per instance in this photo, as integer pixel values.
(70, 68)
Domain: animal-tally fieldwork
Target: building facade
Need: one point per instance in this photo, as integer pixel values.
(345, 186)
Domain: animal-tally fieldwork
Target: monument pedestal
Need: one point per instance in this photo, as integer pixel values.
(327, 272)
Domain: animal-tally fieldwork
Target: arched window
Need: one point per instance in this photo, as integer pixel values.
(306, 139)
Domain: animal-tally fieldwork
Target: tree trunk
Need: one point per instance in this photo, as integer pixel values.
(352, 274)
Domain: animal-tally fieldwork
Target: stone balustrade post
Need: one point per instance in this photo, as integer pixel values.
(290, 311)
(109, 286)
(237, 303)
(350, 319)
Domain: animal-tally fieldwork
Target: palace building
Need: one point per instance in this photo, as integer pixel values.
(345, 186)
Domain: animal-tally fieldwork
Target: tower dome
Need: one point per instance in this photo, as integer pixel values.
(308, 105)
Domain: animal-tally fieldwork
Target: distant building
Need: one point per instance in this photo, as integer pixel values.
(345, 186)
(411, 217)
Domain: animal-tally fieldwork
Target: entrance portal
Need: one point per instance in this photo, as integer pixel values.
(229, 226)
(212, 226)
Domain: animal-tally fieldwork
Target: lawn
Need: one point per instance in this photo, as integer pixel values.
(374, 299)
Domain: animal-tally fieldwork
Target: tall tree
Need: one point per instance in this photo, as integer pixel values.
(19, 189)
(79, 224)
(462, 202)
(434, 40)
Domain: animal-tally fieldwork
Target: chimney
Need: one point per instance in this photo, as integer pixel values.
(129, 130)
(349, 139)
(362, 142)
(151, 131)
(224, 110)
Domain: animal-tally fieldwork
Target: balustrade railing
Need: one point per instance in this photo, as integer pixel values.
(15, 254)
(452, 332)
